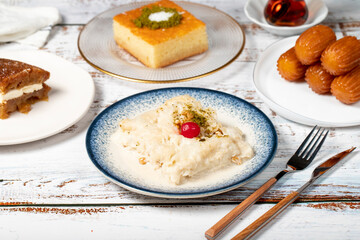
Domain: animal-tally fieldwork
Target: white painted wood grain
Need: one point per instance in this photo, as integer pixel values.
(57, 170)
(299, 221)
(62, 196)
(81, 11)
(36, 172)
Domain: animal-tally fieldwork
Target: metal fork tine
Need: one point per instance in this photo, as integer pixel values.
(318, 147)
(304, 142)
(310, 143)
(314, 145)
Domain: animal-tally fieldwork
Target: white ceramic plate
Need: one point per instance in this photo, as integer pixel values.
(69, 99)
(124, 170)
(295, 100)
(226, 41)
(254, 10)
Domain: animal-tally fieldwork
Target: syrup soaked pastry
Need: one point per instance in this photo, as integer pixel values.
(346, 88)
(289, 67)
(311, 43)
(160, 33)
(319, 79)
(21, 85)
(341, 56)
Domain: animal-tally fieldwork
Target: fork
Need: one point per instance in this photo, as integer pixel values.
(300, 160)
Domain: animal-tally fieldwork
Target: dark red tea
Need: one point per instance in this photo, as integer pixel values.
(286, 12)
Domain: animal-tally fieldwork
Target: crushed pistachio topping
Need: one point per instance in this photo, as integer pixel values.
(144, 21)
(189, 115)
(199, 116)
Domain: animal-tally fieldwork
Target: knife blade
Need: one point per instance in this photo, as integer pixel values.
(324, 167)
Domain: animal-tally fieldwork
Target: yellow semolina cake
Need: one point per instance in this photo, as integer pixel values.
(160, 47)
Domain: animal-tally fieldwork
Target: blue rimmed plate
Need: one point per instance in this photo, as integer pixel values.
(258, 130)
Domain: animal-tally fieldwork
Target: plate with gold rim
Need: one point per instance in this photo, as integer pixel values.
(98, 47)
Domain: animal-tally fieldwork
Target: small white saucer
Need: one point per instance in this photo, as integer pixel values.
(254, 10)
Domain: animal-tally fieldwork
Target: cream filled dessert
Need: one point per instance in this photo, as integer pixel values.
(15, 93)
(21, 85)
(181, 139)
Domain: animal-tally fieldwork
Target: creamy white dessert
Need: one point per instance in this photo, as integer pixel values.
(156, 136)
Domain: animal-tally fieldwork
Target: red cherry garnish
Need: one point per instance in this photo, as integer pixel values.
(190, 129)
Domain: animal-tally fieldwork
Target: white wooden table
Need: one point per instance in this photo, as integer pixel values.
(49, 189)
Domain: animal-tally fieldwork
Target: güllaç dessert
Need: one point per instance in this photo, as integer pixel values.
(21, 85)
(160, 33)
(165, 139)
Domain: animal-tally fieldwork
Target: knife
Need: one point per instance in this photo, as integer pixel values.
(253, 228)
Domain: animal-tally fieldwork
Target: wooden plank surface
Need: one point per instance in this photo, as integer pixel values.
(300, 221)
(81, 11)
(51, 182)
(50, 175)
(40, 173)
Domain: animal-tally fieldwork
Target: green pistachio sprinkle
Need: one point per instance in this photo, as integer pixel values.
(144, 21)
(198, 118)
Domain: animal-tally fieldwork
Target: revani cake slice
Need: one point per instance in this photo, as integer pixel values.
(21, 85)
(160, 33)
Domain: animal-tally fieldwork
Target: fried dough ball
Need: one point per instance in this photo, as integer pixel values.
(341, 56)
(318, 78)
(312, 42)
(289, 67)
(346, 88)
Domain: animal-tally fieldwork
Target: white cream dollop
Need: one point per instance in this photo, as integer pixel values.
(160, 16)
(15, 93)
